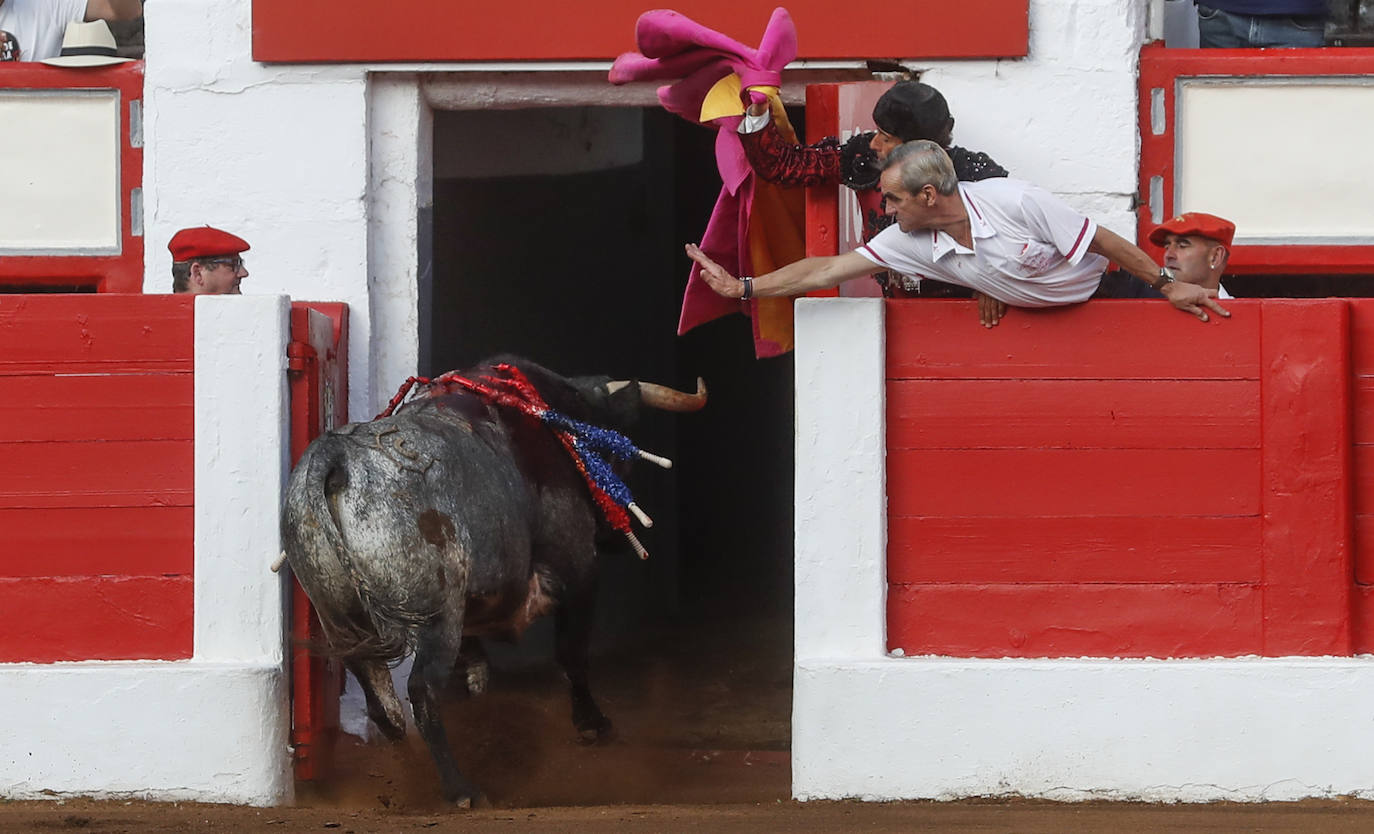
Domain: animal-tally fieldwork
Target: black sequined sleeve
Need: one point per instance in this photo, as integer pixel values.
(971, 166)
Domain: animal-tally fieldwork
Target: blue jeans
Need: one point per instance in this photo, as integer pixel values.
(1227, 30)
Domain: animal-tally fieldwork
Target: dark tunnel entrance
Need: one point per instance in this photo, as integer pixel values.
(570, 254)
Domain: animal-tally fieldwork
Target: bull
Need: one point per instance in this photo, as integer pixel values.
(457, 516)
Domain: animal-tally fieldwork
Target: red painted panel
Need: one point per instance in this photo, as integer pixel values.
(1362, 407)
(115, 407)
(97, 541)
(1362, 478)
(1074, 620)
(120, 272)
(1362, 638)
(822, 202)
(1307, 506)
(1084, 414)
(1161, 68)
(441, 30)
(105, 618)
(1364, 549)
(1362, 339)
(1073, 482)
(113, 474)
(43, 334)
(929, 339)
(1066, 550)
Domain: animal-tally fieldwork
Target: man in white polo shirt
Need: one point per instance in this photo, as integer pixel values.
(37, 26)
(1008, 239)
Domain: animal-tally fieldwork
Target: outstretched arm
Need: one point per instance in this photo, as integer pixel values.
(113, 9)
(796, 278)
(776, 160)
(1189, 298)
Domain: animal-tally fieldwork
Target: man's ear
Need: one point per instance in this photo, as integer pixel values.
(1220, 255)
(194, 274)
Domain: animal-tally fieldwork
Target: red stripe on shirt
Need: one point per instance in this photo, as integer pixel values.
(974, 206)
(1081, 233)
(870, 251)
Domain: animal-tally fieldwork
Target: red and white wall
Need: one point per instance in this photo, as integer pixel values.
(327, 168)
(1051, 587)
(152, 673)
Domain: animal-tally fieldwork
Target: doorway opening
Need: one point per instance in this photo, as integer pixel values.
(568, 250)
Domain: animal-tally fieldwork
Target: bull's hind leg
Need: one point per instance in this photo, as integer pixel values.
(573, 625)
(383, 707)
(435, 654)
(473, 669)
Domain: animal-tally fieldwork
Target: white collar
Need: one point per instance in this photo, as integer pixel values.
(942, 243)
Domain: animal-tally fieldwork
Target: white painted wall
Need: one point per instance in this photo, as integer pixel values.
(322, 167)
(215, 728)
(276, 155)
(1065, 116)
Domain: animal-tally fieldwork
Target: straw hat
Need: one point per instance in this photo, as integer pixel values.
(87, 45)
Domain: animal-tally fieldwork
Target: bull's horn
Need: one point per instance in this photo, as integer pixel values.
(670, 399)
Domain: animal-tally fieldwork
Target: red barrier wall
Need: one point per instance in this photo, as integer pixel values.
(1118, 479)
(96, 477)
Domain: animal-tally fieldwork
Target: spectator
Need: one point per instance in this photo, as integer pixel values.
(1008, 239)
(9, 47)
(1231, 24)
(207, 261)
(87, 45)
(1197, 247)
(37, 26)
(909, 110)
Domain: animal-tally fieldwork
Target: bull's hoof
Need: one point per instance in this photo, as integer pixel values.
(597, 731)
(478, 676)
(466, 797)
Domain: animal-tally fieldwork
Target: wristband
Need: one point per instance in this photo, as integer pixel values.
(748, 288)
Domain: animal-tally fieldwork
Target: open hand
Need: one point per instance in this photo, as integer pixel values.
(715, 275)
(1191, 298)
(990, 310)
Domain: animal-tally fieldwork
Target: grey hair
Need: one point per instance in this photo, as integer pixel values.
(181, 276)
(923, 162)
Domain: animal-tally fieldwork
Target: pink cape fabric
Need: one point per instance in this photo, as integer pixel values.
(675, 47)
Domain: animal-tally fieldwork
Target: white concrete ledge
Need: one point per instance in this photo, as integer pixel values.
(166, 730)
(1249, 729)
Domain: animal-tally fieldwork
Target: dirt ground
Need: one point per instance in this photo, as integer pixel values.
(703, 727)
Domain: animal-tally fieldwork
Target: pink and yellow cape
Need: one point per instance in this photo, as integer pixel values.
(756, 226)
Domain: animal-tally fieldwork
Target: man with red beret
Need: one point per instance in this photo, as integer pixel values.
(208, 261)
(1196, 250)
(1197, 247)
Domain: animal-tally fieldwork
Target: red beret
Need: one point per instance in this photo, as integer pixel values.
(204, 242)
(1195, 223)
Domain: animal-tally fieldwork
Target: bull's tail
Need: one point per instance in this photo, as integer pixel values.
(370, 627)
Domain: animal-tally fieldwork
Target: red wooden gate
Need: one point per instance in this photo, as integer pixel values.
(318, 373)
